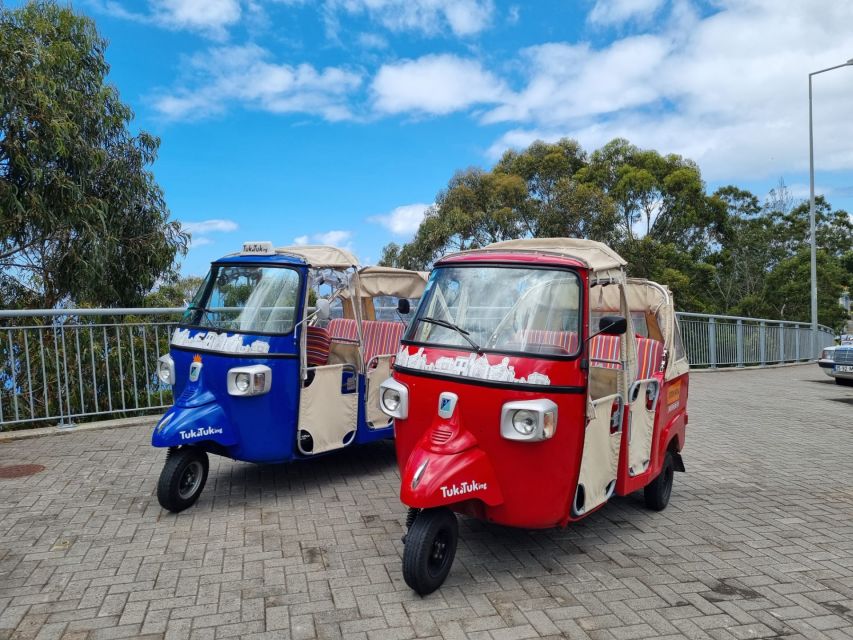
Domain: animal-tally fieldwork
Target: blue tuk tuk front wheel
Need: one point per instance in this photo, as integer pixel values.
(182, 479)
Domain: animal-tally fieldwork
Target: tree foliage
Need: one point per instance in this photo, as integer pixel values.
(725, 252)
(82, 219)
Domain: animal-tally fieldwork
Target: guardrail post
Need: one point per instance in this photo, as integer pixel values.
(739, 344)
(712, 343)
(762, 342)
(797, 344)
(781, 342)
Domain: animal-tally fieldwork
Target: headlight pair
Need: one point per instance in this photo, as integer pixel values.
(254, 380)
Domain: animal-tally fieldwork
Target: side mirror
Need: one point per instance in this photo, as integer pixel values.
(403, 306)
(323, 309)
(612, 325)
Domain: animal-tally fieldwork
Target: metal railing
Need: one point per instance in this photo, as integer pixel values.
(58, 366)
(731, 341)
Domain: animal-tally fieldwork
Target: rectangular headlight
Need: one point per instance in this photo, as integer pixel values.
(254, 380)
(529, 420)
(394, 399)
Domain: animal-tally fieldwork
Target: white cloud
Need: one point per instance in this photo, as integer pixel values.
(728, 90)
(244, 75)
(463, 17)
(208, 226)
(614, 12)
(404, 220)
(336, 238)
(572, 81)
(200, 231)
(372, 41)
(211, 18)
(208, 16)
(436, 84)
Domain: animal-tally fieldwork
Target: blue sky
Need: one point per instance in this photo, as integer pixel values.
(339, 120)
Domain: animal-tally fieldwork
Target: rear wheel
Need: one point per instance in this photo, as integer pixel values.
(182, 479)
(430, 549)
(657, 492)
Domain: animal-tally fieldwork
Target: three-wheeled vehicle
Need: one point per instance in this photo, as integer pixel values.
(278, 357)
(534, 382)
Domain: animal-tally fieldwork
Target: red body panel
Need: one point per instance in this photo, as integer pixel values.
(670, 423)
(529, 484)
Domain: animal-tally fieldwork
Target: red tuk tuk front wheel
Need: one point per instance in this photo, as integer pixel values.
(429, 549)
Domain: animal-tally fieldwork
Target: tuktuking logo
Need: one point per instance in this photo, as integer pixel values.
(195, 368)
(200, 433)
(463, 488)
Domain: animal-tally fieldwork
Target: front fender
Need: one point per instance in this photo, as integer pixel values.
(187, 425)
(438, 479)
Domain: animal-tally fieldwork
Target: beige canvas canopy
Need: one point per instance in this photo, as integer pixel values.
(321, 256)
(387, 281)
(595, 255)
(655, 302)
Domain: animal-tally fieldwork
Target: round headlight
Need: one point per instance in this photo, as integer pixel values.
(163, 372)
(241, 381)
(391, 399)
(524, 422)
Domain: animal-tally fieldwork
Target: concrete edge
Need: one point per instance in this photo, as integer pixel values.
(729, 369)
(118, 423)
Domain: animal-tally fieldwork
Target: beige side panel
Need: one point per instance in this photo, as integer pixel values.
(642, 425)
(600, 455)
(375, 418)
(326, 413)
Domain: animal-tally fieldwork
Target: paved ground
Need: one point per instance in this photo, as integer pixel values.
(756, 543)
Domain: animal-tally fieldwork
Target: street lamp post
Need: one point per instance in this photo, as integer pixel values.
(813, 239)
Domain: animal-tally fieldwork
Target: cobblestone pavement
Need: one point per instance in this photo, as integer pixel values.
(756, 543)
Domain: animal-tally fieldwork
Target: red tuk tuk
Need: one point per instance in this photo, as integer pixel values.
(534, 382)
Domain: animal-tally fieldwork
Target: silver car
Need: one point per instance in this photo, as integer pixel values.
(837, 362)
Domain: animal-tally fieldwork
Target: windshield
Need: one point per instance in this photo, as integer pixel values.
(503, 309)
(244, 298)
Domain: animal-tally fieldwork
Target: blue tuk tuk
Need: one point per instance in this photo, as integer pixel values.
(279, 357)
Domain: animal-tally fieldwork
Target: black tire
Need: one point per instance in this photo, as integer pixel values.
(844, 381)
(657, 492)
(430, 549)
(182, 478)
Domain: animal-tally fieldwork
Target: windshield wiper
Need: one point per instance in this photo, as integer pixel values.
(457, 329)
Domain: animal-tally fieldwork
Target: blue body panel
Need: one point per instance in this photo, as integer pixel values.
(252, 428)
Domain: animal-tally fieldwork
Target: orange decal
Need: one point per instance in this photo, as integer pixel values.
(674, 392)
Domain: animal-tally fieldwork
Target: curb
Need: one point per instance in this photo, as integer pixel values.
(26, 434)
(729, 369)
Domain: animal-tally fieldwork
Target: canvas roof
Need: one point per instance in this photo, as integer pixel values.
(387, 281)
(321, 256)
(595, 255)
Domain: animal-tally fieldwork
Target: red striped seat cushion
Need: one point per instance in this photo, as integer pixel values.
(343, 329)
(381, 338)
(603, 348)
(567, 340)
(649, 357)
(317, 343)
